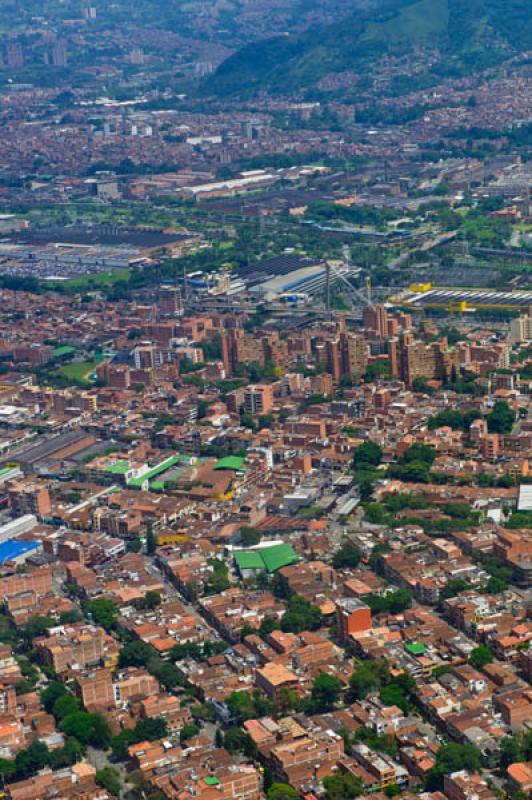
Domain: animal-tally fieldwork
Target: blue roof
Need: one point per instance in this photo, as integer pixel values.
(12, 548)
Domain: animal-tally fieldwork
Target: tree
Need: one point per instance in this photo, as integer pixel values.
(374, 559)
(218, 580)
(342, 786)
(103, 611)
(419, 452)
(167, 674)
(501, 419)
(375, 513)
(218, 738)
(152, 599)
(109, 778)
(413, 472)
(121, 742)
(326, 690)
(366, 455)
(53, 692)
(263, 706)
(287, 700)
(32, 759)
(391, 603)
(300, 616)
(7, 768)
(347, 557)
(267, 780)
(65, 705)
(249, 536)
(135, 654)
(23, 687)
(248, 421)
(134, 545)
(203, 711)
(151, 541)
(365, 489)
(453, 587)
(151, 729)
(452, 757)
(70, 617)
(392, 790)
(496, 585)
(240, 705)
(236, 740)
(188, 732)
(516, 748)
(268, 625)
(186, 650)
(368, 676)
(87, 728)
(394, 695)
(421, 385)
(376, 370)
(399, 600)
(510, 751)
(71, 753)
(282, 791)
(36, 626)
(480, 656)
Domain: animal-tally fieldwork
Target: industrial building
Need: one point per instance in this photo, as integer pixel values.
(18, 552)
(305, 280)
(60, 253)
(464, 299)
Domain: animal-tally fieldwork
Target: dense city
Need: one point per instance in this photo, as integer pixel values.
(265, 400)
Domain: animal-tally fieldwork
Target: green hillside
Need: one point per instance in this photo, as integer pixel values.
(415, 22)
(470, 35)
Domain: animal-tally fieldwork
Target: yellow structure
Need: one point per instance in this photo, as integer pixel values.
(420, 287)
(170, 537)
(458, 308)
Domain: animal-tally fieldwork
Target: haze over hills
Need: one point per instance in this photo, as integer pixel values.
(233, 23)
(465, 37)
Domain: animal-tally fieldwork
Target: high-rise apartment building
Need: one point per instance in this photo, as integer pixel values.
(170, 301)
(376, 319)
(15, 54)
(347, 355)
(59, 54)
(521, 328)
(258, 399)
(28, 497)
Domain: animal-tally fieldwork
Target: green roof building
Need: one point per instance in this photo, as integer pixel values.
(249, 560)
(235, 463)
(415, 648)
(119, 467)
(269, 559)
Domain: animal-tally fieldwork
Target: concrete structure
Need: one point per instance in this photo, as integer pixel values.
(353, 617)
